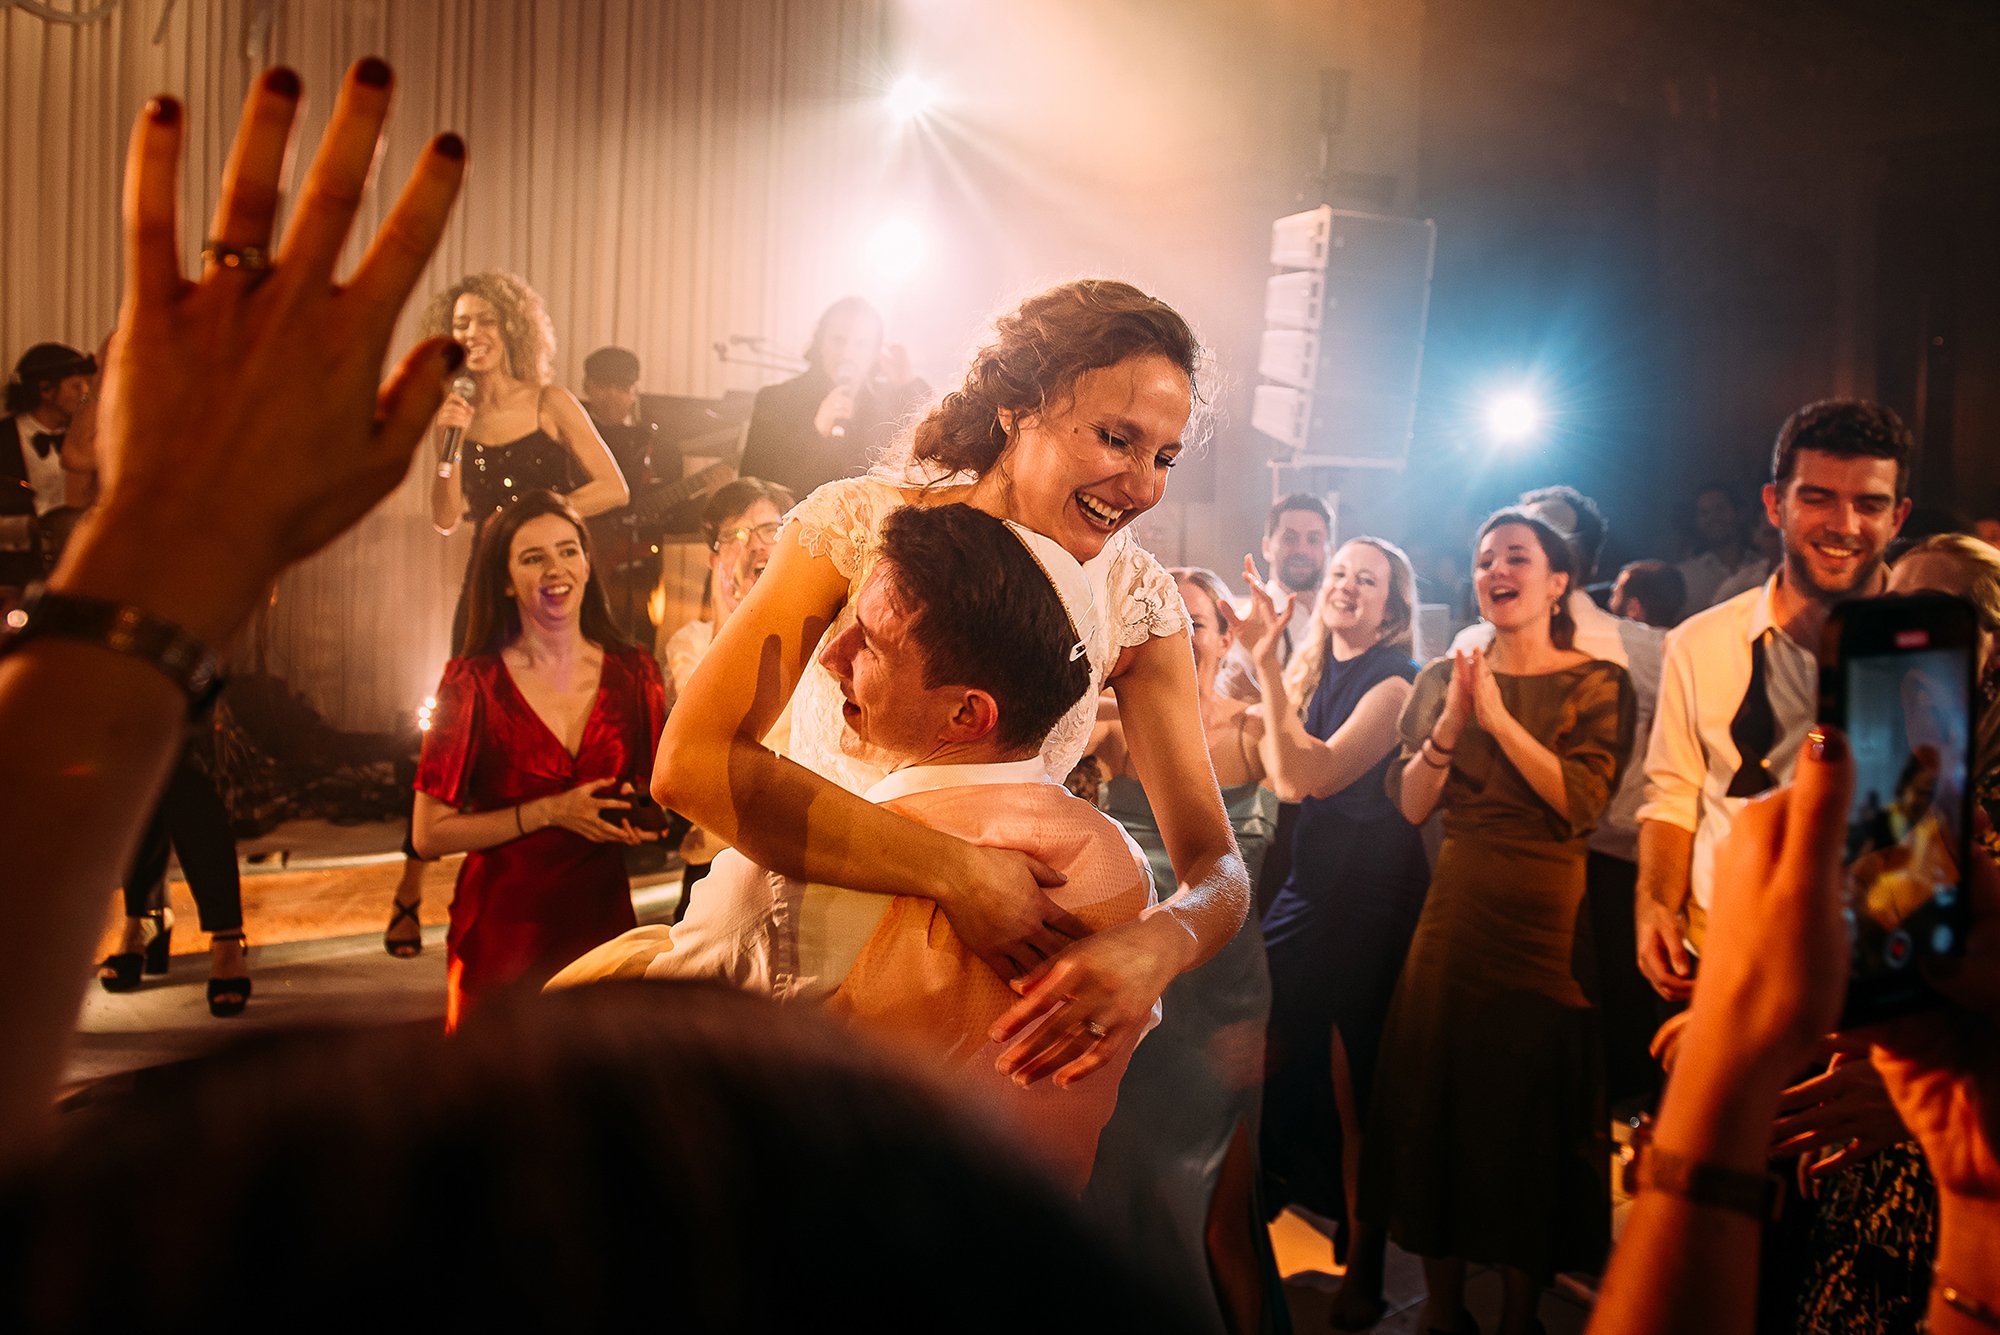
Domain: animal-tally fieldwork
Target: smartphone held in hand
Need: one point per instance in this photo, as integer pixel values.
(1897, 676)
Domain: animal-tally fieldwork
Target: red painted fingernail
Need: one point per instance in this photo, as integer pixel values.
(164, 111)
(373, 71)
(450, 145)
(282, 81)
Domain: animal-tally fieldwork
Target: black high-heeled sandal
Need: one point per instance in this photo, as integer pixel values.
(161, 945)
(120, 972)
(404, 947)
(227, 996)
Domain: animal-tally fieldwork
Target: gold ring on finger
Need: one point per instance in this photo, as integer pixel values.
(254, 260)
(1095, 1030)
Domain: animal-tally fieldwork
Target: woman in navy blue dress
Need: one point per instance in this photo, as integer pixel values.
(1338, 930)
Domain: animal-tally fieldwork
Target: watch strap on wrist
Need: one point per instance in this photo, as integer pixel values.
(1732, 1189)
(123, 629)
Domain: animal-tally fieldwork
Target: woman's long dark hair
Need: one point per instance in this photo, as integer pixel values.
(492, 618)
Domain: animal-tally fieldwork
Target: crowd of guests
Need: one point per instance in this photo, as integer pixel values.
(1066, 1016)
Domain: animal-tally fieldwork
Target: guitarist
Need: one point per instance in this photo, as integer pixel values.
(611, 397)
(50, 386)
(627, 540)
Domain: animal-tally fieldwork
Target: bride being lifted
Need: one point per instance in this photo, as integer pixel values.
(1067, 423)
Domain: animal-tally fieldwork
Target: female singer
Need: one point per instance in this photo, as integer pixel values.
(1486, 1135)
(519, 433)
(1338, 930)
(1067, 423)
(539, 724)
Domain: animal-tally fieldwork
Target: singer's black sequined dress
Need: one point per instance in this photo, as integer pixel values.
(494, 476)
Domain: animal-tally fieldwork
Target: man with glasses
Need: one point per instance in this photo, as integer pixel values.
(740, 523)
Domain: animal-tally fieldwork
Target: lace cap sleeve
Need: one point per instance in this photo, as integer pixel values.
(1145, 602)
(842, 521)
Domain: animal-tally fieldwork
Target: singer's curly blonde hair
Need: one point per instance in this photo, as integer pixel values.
(526, 332)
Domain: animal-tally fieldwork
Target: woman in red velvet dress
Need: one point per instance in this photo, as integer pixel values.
(544, 728)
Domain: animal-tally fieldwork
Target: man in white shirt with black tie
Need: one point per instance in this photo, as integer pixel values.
(1739, 685)
(50, 385)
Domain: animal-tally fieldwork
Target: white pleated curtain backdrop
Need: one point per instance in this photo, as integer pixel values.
(663, 172)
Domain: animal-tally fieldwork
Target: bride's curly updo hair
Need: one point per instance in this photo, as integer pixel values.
(1033, 362)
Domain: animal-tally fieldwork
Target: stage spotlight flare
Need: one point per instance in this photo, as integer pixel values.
(910, 98)
(1514, 416)
(895, 250)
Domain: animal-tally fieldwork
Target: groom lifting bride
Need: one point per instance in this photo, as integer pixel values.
(963, 654)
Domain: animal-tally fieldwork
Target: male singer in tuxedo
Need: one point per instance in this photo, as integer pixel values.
(50, 385)
(829, 422)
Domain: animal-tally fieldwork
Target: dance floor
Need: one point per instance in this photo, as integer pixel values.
(314, 908)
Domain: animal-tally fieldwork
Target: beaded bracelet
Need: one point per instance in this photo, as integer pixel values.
(131, 631)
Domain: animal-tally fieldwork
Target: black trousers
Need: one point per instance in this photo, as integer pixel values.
(190, 818)
(1631, 1011)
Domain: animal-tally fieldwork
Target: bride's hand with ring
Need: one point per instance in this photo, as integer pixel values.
(1091, 1002)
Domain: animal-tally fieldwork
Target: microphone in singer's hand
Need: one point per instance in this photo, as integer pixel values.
(465, 387)
(847, 375)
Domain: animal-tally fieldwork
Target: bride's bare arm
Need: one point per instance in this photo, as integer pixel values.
(713, 768)
(1112, 979)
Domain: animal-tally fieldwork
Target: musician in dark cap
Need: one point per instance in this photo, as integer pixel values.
(50, 385)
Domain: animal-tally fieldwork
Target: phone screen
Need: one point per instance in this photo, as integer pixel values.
(1908, 719)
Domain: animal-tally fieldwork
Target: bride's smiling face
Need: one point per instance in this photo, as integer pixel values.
(1093, 464)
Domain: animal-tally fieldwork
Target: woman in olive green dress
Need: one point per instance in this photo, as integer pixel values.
(1486, 1133)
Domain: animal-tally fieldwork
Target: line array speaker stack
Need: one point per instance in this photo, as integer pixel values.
(1343, 341)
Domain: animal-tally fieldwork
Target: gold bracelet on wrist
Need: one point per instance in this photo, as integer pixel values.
(1963, 1303)
(1731, 1189)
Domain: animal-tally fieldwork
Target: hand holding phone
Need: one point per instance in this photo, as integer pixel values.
(1897, 675)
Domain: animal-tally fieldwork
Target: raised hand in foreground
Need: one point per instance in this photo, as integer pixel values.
(1773, 976)
(243, 427)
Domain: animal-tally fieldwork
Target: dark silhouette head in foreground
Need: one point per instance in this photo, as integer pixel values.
(619, 1157)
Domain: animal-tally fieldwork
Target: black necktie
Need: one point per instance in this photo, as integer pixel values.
(44, 441)
(1754, 729)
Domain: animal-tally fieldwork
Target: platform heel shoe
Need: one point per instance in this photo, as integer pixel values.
(227, 996)
(120, 972)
